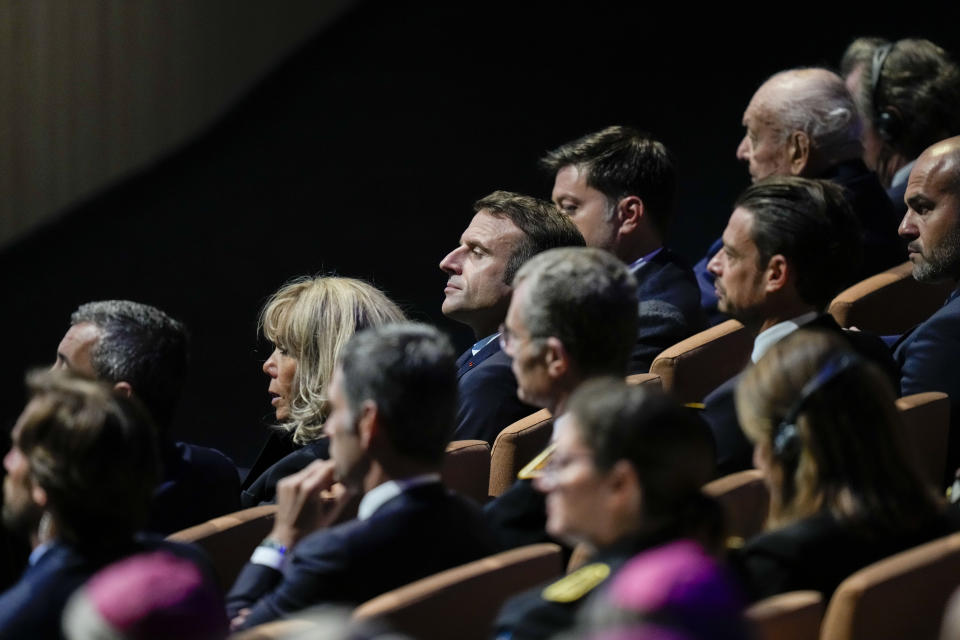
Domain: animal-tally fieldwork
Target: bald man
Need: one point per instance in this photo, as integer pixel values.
(928, 355)
(804, 122)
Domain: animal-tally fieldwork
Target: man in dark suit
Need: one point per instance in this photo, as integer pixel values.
(928, 355)
(392, 402)
(572, 317)
(789, 244)
(80, 473)
(618, 186)
(908, 94)
(507, 230)
(804, 122)
(142, 352)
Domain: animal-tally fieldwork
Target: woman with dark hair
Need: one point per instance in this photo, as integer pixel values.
(843, 493)
(624, 475)
(308, 321)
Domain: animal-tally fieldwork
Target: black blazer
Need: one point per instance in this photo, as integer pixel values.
(198, 484)
(928, 358)
(418, 533)
(669, 307)
(734, 451)
(487, 399)
(263, 489)
(819, 553)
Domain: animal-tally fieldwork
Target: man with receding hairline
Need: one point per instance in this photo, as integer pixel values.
(928, 354)
(804, 123)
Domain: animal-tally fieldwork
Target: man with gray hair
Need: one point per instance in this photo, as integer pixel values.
(908, 93)
(142, 352)
(572, 317)
(804, 123)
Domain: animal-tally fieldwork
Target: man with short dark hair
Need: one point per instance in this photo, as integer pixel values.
(928, 354)
(80, 473)
(908, 94)
(572, 317)
(142, 352)
(392, 400)
(804, 122)
(618, 186)
(507, 230)
(788, 246)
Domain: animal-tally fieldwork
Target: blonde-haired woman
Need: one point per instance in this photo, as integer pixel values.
(843, 493)
(308, 321)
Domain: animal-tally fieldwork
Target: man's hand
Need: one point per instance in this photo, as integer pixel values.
(305, 501)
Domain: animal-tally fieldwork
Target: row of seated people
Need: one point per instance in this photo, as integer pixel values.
(789, 245)
(624, 477)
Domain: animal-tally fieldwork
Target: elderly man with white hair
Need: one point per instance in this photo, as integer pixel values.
(804, 122)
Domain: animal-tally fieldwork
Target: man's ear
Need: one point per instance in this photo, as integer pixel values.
(368, 423)
(624, 485)
(39, 495)
(798, 149)
(778, 272)
(629, 214)
(123, 388)
(556, 358)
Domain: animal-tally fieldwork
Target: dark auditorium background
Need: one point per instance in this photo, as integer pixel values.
(361, 153)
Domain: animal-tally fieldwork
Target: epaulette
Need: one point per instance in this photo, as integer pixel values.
(578, 584)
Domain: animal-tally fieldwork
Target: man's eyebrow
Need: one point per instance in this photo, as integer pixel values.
(918, 199)
(471, 244)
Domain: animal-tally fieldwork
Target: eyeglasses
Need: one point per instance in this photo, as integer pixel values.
(509, 340)
(549, 464)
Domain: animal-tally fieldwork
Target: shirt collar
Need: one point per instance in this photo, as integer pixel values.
(769, 337)
(38, 553)
(480, 344)
(384, 493)
(636, 264)
(902, 174)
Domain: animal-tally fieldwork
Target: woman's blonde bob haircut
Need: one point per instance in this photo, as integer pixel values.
(311, 319)
(848, 457)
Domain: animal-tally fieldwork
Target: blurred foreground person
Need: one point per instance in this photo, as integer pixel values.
(80, 474)
(147, 597)
(843, 494)
(624, 476)
(676, 591)
(308, 321)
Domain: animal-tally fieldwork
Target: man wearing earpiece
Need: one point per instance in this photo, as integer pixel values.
(908, 95)
(804, 122)
(789, 245)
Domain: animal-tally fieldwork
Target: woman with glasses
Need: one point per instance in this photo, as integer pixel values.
(843, 493)
(624, 475)
(308, 321)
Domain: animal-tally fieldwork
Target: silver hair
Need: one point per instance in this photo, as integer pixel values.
(587, 299)
(817, 102)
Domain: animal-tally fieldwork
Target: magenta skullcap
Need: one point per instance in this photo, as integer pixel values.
(158, 595)
(680, 587)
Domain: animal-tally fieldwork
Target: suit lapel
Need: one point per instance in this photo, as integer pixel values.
(468, 361)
